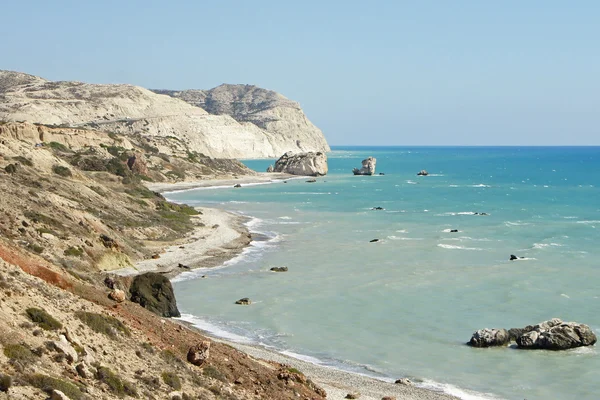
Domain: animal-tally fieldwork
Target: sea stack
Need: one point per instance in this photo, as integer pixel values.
(305, 164)
(368, 167)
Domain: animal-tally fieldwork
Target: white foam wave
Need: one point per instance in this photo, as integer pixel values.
(518, 223)
(546, 245)
(412, 182)
(213, 329)
(436, 175)
(456, 391)
(285, 217)
(453, 186)
(454, 247)
(588, 222)
(481, 185)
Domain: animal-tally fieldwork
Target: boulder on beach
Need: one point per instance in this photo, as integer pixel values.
(306, 164)
(237, 185)
(368, 167)
(489, 337)
(404, 381)
(154, 292)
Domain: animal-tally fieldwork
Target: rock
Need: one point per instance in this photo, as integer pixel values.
(404, 381)
(377, 208)
(381, 173)
(352, 396)
(373, 240)
(556, 335)
(117, 295)
(11, 168)
(237, 185)
(84, 371)
(175, 395)
(422, 173)
(244, 301)
(48, 236)
(514, 333)
(279, 269)
(155, 256)
(63, 346)
(109, 243)
(388, 398)
(72, 337)
(58, 395)
(513, 257)
(109, 282)
(137, 164)
(199, 354)
(182, 266)
(155, 293)
(453, 230)
(311, 181)
(270, 168)
(368, 167)
(489, 337)
(306, 164)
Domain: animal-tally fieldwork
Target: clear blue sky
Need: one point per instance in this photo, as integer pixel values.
(380, 72)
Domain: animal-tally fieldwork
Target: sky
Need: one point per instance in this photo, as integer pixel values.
(366, 73)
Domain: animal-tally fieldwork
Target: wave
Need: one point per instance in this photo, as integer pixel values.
(392, 237)
(454, 213)
(453, 247)
(545, 245)
(411, 182)
(588, 222)
(285, 217)
(481, 185)
(456, 391)
(518, 223)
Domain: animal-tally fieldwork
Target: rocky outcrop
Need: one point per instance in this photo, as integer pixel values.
(155, 293)
(556, 335)
(199, 354)
(243, 121)
(553, 334)
(422, 173)
(489, 337)
(307, 164)
(368, 167)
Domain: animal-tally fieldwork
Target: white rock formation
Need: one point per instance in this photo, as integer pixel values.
(368, 167)
(262, 123)
(306, 164)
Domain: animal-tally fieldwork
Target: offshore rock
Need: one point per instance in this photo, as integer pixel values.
(489, 337)
(306, 164)
(368, 167)
(154, 292)
(422, 173)
(556, 335)
(244, 301)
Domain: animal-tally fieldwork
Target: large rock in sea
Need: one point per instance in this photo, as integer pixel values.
(556, 335)
(489, 337)
(154, 292)
(306, 164)
(368, 167)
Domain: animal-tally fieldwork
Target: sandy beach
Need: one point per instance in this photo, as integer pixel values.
(223, 236)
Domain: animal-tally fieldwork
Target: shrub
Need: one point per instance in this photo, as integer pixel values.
(171, 379)
(59, 147)
(43, 319)
(36, 248)
(62, 171)
(19, 353)
(73, 252)
(214, 373)
(114, 383)
(10, 168)
(48, 384)
(117, 167)
(23, 160)
(105, 324)
(5, 382)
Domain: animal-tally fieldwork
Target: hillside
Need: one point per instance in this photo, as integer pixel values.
(240, 121)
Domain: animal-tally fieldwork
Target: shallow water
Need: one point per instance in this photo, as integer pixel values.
(405, 306)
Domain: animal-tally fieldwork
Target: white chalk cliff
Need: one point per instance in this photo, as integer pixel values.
(230, 121)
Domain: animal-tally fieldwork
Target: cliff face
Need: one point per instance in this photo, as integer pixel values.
(241, 121)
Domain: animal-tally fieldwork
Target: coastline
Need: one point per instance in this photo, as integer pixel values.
(212, 247)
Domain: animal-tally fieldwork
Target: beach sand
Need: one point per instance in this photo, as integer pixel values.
(222, 238)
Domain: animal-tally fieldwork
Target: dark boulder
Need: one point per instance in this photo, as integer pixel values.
(373, 240)
(377, 208)
(154, 292)
(199, 354)
(513, 257)
(279, 269)
(244, 301)
(237, 185)
(422, 173)
(453, 230)
(489, 337)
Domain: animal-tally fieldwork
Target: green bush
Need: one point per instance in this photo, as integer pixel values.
(19, 353)
(23, 160)
(214, 373)
(62, 171)
(117, 167)
(43, 319)
(48, 384)
(5, 382)
(104, 324)
(10, 168)
(73, 252)
(171, 379)
(59, 147)
(114, 383)
(36, 248)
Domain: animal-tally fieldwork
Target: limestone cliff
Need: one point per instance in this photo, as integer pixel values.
(264, 123)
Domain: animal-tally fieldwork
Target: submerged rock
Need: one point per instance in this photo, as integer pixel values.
(307, 164)
(244, 301)
(373, 240)
(279, 269)
(556, 335)
(489, 337)
(422, 173)
(154, 292)
(368, 167)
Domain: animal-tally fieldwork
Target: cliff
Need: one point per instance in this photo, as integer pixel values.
(239, 121)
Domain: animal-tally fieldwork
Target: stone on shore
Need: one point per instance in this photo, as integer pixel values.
(404, 381)
(306, 164)
(154, 292)
(489, 337)
(368, 167)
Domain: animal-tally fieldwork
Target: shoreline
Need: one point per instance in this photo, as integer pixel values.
(224, 243)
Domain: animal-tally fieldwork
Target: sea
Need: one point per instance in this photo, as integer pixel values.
(405, 305)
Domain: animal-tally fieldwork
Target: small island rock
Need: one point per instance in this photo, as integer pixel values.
(279, 269)
(368, 167)
(422, 173)
(489, 337)
(306, 164)
(244, 301)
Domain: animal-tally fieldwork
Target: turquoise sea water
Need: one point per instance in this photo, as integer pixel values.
(405, 306)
